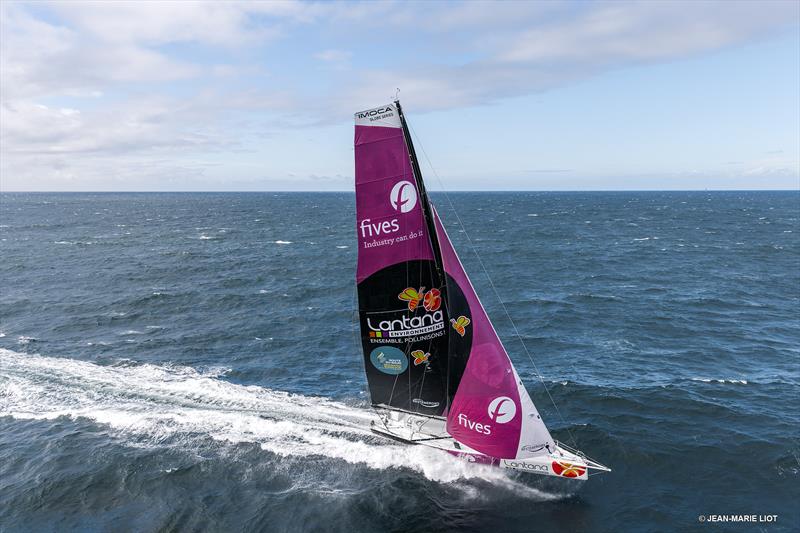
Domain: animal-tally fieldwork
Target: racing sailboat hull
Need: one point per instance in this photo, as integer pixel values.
(437, 372)
(431, 432)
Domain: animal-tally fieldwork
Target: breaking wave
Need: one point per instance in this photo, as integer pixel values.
(713, 380)
(157, 403)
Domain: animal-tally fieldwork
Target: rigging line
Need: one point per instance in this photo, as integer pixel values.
(391, 394)
(421, 385)
(356, 334)
(491, 284)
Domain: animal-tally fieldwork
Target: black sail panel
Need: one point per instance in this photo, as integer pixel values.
(404, 348)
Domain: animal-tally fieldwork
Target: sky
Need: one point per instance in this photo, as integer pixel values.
(549, 95)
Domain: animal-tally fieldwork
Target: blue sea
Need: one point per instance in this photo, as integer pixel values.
(188, 362)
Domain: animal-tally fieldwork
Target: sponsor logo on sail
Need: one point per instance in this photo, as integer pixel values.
(389, 360)
(412, 296)
(486, 429)
(372, 113)
(421, 358)
(378, 229)
(533, 448)
(423, 403)
(406, 326)
(431, 300)
(460, 324)
(502, 409)
(403, 197)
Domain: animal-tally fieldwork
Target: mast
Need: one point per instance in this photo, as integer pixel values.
(433, 234)
(427, 211)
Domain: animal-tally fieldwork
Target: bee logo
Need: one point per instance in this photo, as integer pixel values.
(412, 296)
(420, 357)
(460, 324)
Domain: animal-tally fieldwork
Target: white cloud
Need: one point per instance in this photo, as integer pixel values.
(559, 47)
(233, 23)
(40, 59)
(143, 105)
(145, 125)
(647, 31)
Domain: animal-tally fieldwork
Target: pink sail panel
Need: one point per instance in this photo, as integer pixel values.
(491, 411)
(390, 224)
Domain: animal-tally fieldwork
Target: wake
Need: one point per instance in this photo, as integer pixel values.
(157, 403)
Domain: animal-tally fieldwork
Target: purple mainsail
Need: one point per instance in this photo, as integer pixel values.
(400, 289)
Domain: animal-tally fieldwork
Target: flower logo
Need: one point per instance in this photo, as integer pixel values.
(432, 300)
(564, 469)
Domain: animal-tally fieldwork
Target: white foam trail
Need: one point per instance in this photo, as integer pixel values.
(712, 380)
(154, 402)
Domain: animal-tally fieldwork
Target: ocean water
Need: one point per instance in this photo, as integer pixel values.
(184, 362)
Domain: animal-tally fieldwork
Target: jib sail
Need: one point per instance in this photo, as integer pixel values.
(491, 411)
(404, 322)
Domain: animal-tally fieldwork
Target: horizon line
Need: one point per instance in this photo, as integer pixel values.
(352, 191)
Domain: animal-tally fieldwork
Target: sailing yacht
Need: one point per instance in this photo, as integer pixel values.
(437, 371)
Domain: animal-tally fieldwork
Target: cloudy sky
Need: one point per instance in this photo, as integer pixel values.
(513, 95)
